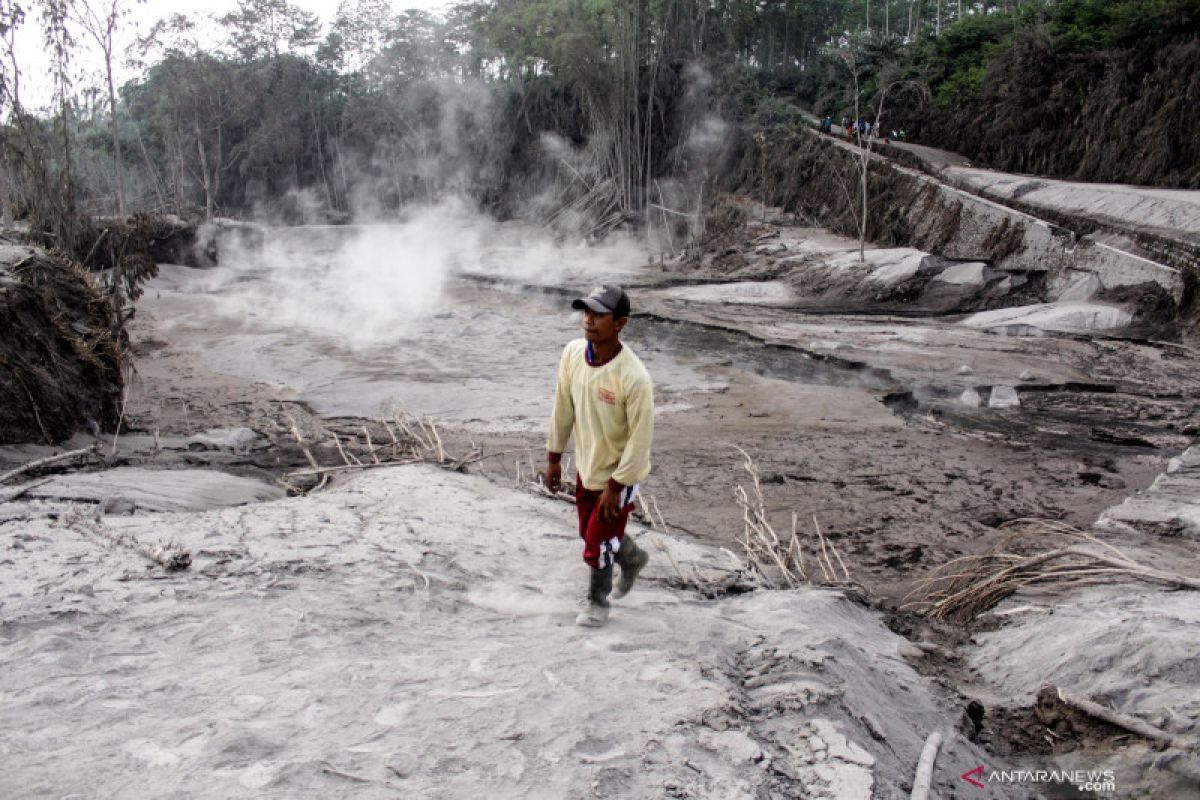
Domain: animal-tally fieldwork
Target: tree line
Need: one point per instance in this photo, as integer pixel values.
(597, 109)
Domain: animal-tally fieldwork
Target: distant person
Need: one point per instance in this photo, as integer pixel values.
(846, 126)
(603, 395)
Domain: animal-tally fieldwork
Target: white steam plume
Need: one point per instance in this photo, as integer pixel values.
(366, 285)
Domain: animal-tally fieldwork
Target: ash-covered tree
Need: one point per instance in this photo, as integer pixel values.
(101, 19)
(356, 35)
(268, 28)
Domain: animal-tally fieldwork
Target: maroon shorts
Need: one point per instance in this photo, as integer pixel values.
(601, 538)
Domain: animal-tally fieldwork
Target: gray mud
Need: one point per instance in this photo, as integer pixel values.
(856, 421)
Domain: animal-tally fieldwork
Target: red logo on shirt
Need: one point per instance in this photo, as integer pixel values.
(607, 396)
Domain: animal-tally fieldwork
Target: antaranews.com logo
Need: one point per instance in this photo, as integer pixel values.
(1085, 780)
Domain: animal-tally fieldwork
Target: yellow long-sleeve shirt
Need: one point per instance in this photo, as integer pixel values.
(610, 408)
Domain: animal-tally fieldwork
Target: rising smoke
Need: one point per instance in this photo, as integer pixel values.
(363, 284)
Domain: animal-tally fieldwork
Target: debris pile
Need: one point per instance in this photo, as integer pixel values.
(60, 348)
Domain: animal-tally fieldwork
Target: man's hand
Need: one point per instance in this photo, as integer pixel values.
(553, 478)
(610, 504)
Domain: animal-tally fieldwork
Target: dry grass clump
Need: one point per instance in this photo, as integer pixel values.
(779, 561)
(409, 440)
(1037, 554)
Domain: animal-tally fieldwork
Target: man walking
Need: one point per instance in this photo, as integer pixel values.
(605, 396)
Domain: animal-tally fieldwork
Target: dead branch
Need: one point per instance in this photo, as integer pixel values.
(312, 462)
(170, 557)
(19, 491)
(827, 566)
(346, 458)
(662, 548)
(967, 586)
(767, 553)
(662, 523)
(1122, 720)
(437, 439)
(391, 434)
(48, 460)
(329, 769)
(460, 465)
(370, 444)
(326, 471)
(566, 492)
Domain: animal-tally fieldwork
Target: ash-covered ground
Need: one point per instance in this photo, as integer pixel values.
(409, 631)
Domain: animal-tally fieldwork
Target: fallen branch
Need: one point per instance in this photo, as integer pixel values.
(48, 460)
(1125, 721)
(461, 464)
(172, 558)
(325, 471)
(17, 492)
(537, 487)
(329, 769)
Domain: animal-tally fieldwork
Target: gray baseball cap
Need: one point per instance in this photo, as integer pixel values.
(604, 300)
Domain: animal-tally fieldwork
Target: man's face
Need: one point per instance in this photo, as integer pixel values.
(601, 327)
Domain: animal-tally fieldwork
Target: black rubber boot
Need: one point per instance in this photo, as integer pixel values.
(631, 559)
(595, 613)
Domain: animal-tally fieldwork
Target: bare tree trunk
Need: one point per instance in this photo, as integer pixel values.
(341, 165)
(787, 34)
(862, 220)
(320, 154)
(205, 179)
(116, 139)
(100, 22)
(217, 168)
(156, 179)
